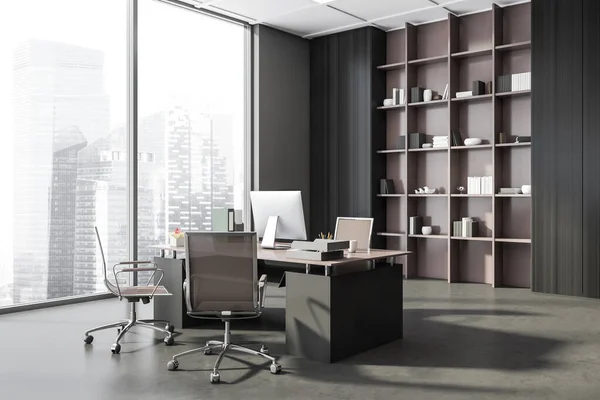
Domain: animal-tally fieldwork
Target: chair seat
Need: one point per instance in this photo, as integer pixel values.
(144, 291)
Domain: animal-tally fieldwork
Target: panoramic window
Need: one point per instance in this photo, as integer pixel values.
(191, 121)
(63, 96)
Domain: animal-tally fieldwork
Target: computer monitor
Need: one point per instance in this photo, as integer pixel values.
(359, 229)
(278, 215)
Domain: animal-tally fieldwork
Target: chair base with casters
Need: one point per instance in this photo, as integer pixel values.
(224, 347)
(125, 325)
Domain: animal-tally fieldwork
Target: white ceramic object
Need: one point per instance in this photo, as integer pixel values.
(353, 244)
(426, 230)
(427, 95)
(472, 141)
(421, 190)
(429, 191)
(526, 189)
(388, 102)
(416, 191)
(427, 145)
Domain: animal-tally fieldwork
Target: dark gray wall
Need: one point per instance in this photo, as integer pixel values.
(346, 129)
(281, 144)
(565, 161)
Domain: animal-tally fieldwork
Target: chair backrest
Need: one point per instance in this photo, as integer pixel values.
(221, 270)
(359, 229)
(112, 288)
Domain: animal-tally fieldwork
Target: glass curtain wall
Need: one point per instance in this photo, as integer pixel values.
(63, 102)
(191, 121)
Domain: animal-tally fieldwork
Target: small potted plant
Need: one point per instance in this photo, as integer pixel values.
(176, 238)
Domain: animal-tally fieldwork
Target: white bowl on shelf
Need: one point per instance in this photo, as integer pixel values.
(472, 141)
(427, 145)
(526, 189)
(426, 230)
(429, 191)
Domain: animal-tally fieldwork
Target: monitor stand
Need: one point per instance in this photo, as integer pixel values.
(268, 240)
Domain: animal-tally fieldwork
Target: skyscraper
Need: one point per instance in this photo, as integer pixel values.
(57, 87)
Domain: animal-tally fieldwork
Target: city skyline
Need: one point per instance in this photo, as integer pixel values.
(182, 173)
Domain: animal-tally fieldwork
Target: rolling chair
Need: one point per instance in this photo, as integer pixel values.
(354, 228)
(133, 294)
(221, 270)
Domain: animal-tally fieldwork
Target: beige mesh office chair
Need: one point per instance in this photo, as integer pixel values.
(354, 228)
(133, 294)
(221, 270)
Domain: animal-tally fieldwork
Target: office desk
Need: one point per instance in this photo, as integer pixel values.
(352, 308)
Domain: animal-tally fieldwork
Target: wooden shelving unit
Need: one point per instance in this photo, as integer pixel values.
(456, 51)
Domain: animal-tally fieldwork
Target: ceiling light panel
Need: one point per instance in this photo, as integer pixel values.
(369, 10)
(417, 17)
(262, 10)
(313, 20)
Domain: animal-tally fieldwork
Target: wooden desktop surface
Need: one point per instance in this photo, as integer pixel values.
(282, 255)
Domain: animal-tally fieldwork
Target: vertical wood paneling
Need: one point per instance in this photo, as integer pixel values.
(345, 132)
(557, 126)
(591, 148)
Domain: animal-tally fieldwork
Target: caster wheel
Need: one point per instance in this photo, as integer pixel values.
(170, 328)
(275, 369)
(169, 340)
(207, 352)
(172, 365)
(215, 377)
(116, 348)
(264, 350)
(88, 339)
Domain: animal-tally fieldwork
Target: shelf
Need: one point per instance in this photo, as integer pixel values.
(480, 97)
(429, 236)
(473, 238)
(512, 195)
(391, 151)
(514, 46)
(479, 146)
(391, 195)
(427, 195)
(513, 144)
(392, 234)
(391, 67)
(430, 149)
(472, 53)
(429, 103)
(472, 195)
(428, 60)
(512, 94)
(394, 107)
(508, 240)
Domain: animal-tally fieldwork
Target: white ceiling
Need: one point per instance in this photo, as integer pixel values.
(309, 19)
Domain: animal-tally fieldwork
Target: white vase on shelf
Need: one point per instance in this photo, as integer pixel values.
(427, 95)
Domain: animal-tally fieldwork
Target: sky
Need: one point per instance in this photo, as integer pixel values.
(185, 58)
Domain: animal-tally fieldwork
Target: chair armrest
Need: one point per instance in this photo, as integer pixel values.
(138, 269)
(135, 262)
(262, 290)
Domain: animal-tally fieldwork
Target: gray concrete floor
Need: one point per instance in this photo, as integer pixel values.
(462, 341)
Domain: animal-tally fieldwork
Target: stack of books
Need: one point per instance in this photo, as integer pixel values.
(414, 226)
(460, 95)
(480, 185)
(416, 94)
(467, 227)
(398, 96)
(440, 141)
(510, 190)
(514, 82)
(415, 140)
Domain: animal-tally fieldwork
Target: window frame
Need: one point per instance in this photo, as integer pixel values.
(132, 140)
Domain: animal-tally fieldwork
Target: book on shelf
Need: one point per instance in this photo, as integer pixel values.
(467, 93)
(416, 140)
(480, 185)
(468, 227)
(416, 94)
(386, 186)
(478, 88)
(445, 95)
(514, 82)
(523, 139)
(457, 139)
(415, 225)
